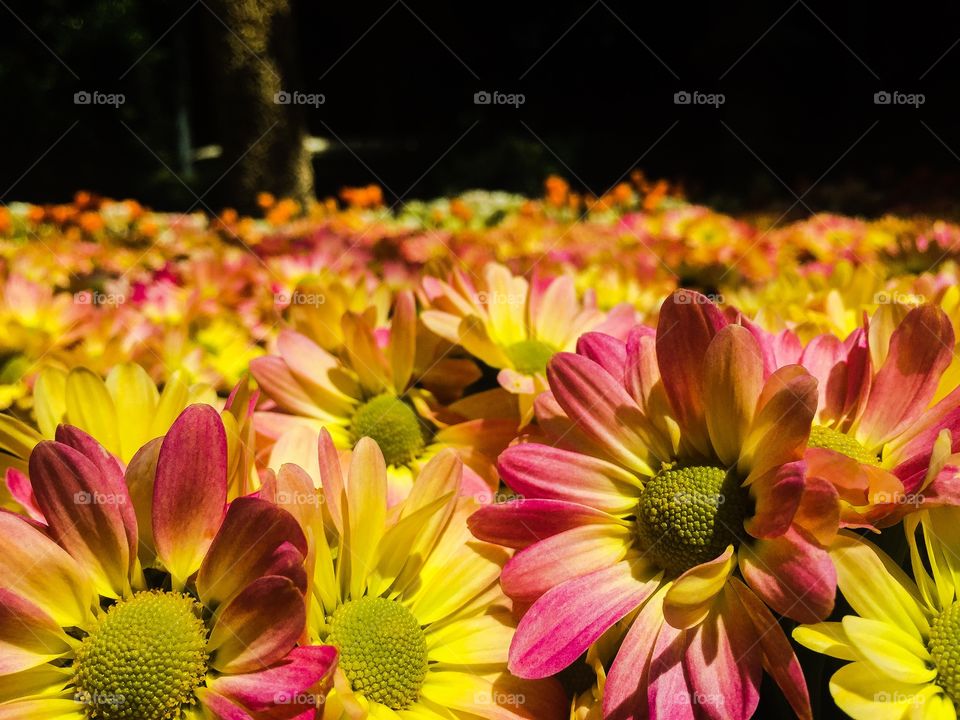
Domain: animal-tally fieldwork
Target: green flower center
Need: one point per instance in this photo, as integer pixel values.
(530, 356)
(145, 660)
(830, 439)
(383, 651)
(688, 515)
(946, 650)
(394, 425)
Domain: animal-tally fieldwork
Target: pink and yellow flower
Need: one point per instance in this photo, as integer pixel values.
(670, 494)
(373, 391)
(516, 326)
(143, 594)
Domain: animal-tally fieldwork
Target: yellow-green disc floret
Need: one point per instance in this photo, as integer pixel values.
(688, 515)
(530, 356)
(383, 651)
(145, 660)
(830, 439)
(945, 650)
(393, 425)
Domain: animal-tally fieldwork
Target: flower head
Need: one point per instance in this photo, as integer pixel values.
(143, 595)
(671, 493)
(406, 595)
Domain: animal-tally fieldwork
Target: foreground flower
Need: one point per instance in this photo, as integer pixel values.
(903, 642)
(372, 392)
(675, 464)
(515, 327)
(406, 595)
(210, 630)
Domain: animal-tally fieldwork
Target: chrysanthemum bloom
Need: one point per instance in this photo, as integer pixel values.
(203, 622)
(903, 640)
(877, 420)
(675, 465)
(407, 596)
(371, 392)
(514, 326)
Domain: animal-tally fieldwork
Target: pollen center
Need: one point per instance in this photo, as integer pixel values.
(688, 515)
(394, 426)
(530, 356)
(830, 439)
(945, 650)
(383, 651)
(145, 660)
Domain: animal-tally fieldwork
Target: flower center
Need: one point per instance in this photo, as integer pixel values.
(530, 356)
(688, 515)
(145, 660)
(830, 439)
(394, 426)
(383, 651)
(946, 650)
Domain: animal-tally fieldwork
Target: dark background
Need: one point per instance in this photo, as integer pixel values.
(399, 79)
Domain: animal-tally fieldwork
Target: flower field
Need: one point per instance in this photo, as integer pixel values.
(486, 456)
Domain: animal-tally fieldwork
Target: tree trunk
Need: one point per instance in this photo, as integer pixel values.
(262, 139)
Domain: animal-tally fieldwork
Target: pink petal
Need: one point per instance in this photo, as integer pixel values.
(921, 348)
(560, 626)
(601, 408)
(824, 358)
(541, 471)
(779, 660)
(723, 662)
(305, 671)
(732, 379)
(625, 692)
(22, 491)
(606, 351)
(776, 497)
(521, 523)
(688, 322)
(82, 508)
(792, 575)
(112, 472)
(562, 557)
(258, 627)
(669, 695)
(255, 538)
(190, 490)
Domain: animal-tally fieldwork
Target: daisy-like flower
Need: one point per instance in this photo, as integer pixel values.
(407, 596)
(903, 639)
(878, 415)
(203, 622)
(372, 392)
(516, 326)
(670, 494)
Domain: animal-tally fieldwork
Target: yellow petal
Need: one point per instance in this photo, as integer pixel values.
(827, 638)
(50, 400)
(691, 596)
(894, 652)
(135, 398)
(90, 408)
